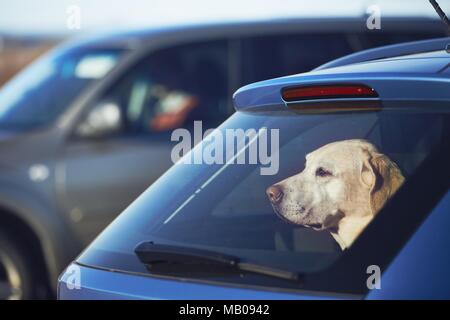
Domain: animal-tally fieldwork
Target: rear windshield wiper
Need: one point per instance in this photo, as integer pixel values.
(168, 259)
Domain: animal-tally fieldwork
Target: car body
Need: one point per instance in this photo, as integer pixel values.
(208, 231)
(65, 174)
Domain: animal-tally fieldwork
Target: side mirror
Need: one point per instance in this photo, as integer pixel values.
(104, 119)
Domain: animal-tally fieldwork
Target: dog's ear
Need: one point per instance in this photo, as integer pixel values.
(382, 176)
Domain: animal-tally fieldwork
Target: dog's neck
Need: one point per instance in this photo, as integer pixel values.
(349, 228)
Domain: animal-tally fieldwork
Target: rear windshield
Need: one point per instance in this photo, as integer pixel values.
(297, 205)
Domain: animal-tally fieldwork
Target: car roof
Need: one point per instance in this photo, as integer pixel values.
(134, 38)
(421, 76)
(391, 51)
(424, 63)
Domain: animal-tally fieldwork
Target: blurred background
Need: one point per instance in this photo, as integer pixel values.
(28, 28)
(86, 128)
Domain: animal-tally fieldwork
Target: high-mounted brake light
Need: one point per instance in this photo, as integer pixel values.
(315, 92)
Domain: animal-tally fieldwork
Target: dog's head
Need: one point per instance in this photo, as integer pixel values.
(349, 178)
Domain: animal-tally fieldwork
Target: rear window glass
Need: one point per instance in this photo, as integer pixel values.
(266, 57)
(298, 210)
(378, 38)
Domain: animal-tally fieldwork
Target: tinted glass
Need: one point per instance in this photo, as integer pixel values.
(266, 57)
(378, 38)
(226, 208)
(39, 94)
(174, 86)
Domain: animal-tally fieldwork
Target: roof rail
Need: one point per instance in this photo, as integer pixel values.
(394, 50)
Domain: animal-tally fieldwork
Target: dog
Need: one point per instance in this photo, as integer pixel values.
(343, 186)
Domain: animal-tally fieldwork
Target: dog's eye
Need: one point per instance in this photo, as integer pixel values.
(321, 172)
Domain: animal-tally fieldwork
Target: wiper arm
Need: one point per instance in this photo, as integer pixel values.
(440, 12)
(166, 258)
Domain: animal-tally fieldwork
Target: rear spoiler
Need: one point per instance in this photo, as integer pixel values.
(390, 51)
(324, 92)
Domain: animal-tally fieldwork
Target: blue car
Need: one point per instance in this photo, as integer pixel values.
(70, 122)
(332, 184)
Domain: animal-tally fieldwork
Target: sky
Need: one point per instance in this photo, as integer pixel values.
(51, 16)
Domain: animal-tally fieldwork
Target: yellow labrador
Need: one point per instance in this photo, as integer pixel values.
(343, 186)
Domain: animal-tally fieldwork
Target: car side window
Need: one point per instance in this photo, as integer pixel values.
(378, 38)
(265, 57)
(173, 87)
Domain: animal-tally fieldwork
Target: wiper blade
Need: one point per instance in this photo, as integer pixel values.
(166, 258)
(152, 253)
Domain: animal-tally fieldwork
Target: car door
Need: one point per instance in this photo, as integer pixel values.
(102, 173)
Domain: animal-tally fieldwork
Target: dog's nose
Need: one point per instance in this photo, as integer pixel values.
(275, 194)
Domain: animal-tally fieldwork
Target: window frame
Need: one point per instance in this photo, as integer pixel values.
(346, 278)
(347, 275)
(141, 58)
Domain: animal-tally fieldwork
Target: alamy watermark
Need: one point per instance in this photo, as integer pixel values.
(73, 277)
(373, 21)
(374, 279)
(229, 146)
(73, 20)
